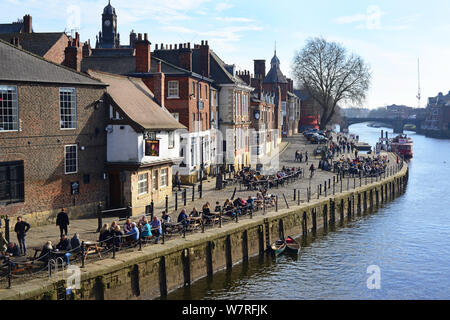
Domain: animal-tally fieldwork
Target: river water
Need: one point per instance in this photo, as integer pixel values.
(407, 239)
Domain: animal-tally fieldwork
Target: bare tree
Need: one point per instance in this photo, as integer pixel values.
(331, 76)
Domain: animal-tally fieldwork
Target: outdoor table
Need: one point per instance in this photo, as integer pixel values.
(91, 247)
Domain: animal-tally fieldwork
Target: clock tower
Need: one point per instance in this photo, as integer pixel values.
(108, 37)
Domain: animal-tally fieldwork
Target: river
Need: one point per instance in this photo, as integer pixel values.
(408, 239)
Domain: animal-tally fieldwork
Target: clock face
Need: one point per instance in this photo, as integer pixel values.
(107, 23)
(257, 115)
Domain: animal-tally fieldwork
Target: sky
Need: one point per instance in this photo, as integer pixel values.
(390, 35)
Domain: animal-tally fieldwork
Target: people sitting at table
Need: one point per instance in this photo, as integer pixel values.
(229, 208)
(127, 226)
(183, 218)
(75, 243)
(13, 249)
(45, 252)
(113, 226)
(118, 235)
(104, 234)
(218, 207)
(133, 234)
(146, 228)
(207, 215)
(64, 244)
(251, 203)
(165, 218)
(194, 213)
(156, 228)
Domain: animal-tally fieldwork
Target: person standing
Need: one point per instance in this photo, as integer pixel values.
(306, 156)
(21, 228)
(178, 180)
(62, 220)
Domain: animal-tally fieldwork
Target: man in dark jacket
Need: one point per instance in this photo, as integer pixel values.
(62, 220)
(75, 243)
(13, 249)
(64, 244)
(21, 228)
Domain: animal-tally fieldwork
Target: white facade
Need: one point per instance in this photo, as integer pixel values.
(124, 144)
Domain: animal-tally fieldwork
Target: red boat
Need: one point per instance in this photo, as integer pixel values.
(403, 145)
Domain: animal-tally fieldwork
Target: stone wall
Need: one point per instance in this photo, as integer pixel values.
(154, 272)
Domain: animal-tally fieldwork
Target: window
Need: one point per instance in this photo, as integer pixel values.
(155, 180)
(200, 90)
(193, 89)
(143, 184)
(9, 110)
(164, 178)
(68, 108)
(12, 182)
(171, 139)
(173, 89)
(71, 165)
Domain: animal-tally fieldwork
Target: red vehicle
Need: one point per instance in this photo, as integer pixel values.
(403, 145)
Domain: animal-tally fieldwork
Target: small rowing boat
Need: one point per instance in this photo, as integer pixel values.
(278, 247)
(292, 246)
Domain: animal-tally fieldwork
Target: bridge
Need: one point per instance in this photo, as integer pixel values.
(397, 124)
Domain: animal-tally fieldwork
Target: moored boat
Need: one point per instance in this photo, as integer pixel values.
(403, 145)
(292, 246)
(278, 247)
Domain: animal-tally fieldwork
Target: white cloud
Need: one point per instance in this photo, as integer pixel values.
(234, 19)
(371, 19)
(223, 6)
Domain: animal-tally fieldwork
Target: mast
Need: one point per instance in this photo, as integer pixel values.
(419, 94)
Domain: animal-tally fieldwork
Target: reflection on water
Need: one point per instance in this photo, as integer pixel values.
(409, 239)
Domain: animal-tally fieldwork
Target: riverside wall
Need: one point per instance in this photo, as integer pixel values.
(157, 270)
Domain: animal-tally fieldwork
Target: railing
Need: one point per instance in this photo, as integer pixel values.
(109, 247)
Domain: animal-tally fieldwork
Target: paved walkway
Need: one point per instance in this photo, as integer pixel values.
(37, 236)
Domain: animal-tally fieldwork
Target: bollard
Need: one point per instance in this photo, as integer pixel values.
(184, 231)
(82, 254)
(129, 211)
(360, 180)
(184, 196)
(295, 194)
(200, 190)
(251, 213)
(354, 183)
(264, 206)
(9, 274)
(7, 228)
(203, 224)
(163, 232)
(99, 218)
(276, 204)
(298, 197)
(318, 192)
(114, 246)
(348, 183)
(193, 192)
(152, 212)
(237, 217)
(220, 217)
(140, 241)
(176, 200)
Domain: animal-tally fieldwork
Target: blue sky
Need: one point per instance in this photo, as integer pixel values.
(389, 34)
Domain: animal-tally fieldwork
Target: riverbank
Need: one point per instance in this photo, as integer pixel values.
(157, 270)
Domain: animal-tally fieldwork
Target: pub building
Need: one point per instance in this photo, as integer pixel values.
(142, 143)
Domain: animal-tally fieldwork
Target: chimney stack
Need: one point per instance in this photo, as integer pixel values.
(15, 41)
(158, 85)
(205, 69)
(87, 51)
(132, 38)
(27, 24)
(260, 69)
(73, 53)
(143, 55)
(185, 58)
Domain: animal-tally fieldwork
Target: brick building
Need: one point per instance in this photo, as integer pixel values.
(52, 138)
(309, 111)
(57, 47)
(438, 113)
(290, 103)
